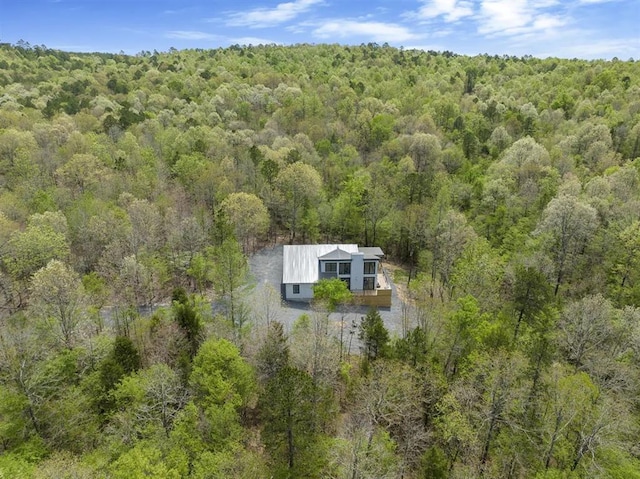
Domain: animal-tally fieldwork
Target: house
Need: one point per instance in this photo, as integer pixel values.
(359, 267)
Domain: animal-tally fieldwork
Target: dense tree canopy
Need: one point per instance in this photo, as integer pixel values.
(506, 190)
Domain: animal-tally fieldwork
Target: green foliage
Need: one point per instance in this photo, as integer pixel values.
(434, 464)
(494, 179)
(15, 466)
(187, 317)
(333, 292)
(373, 335)
(12, 422)
(532, 298)
(123, 359)
(143, 461)
(33, 248)
(148, 401)
(413, 348)
(230, 274)
(220, 376)
(126, 355)
(249, 217)
(290, 429)
(273, 355)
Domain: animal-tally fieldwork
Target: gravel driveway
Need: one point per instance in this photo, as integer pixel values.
(266, 268)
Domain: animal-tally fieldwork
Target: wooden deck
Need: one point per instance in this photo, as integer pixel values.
(379, 297)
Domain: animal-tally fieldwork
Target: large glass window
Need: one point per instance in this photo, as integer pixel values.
(330, 267)
(369, 267)
(345, 268)
(369, 283)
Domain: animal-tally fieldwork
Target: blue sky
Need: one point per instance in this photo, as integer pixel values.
(559, 28)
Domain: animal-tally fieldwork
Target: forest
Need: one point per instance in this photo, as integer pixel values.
(134, 189)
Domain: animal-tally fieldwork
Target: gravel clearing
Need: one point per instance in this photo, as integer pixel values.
(266, 268)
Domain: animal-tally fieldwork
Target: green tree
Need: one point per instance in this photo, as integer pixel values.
(299, 187)
(220, 376)
(531, 296)
(222, 384)
(141, 462)
(122, 360)
(348, 207)
(290, 433)
(249, 217)
(230, 275)
(332, 292)
(450, 238)
(148, 401)
(58, 299)
(479, 272)
(373, 335)
(33, 248)
(13, 423)
(569, 224)
(627, 264)
(273, 354)
(469, 329)
(187, 317)
(82, 173)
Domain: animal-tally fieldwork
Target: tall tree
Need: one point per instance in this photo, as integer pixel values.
(585, 328)
(33, 248)
(148, 401)
(187, 317)
(273, 354)
(373, 335)
(58, 299)
(230, 274)
(568, 224)
(249, 217)
(531, 296)
(300, 187)
(290, 431)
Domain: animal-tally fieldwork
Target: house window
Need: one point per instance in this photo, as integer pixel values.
(330, 267)
(369, 267)
(369, 283)
(345, 268)
(296, 289)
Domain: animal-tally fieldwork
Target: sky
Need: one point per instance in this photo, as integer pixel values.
(588, 29)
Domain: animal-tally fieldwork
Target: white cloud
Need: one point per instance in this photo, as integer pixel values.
(178, 11)
(269, 17)
(376, 31)
(498, 16)
(190, 35)
(451, 10)
(516, 17)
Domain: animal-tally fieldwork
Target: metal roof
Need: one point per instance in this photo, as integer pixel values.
(370, 251)
(300, 262)
(336, 254)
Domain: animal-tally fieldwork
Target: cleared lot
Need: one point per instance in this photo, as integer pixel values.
(266, 268)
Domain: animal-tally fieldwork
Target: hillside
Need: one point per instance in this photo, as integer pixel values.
(508, 188)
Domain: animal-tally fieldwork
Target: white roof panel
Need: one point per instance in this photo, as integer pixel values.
(300, 262)
(371, 251)
(336, 254)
